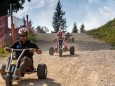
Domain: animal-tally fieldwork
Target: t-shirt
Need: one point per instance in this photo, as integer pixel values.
(28, 44)
(60, 41)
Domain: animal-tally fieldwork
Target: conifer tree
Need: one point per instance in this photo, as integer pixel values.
(59, 22)
(82, 30)
(74, 30)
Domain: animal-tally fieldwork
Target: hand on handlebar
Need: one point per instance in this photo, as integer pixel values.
(32, 50)
(54, 40)
(7, 49)
(38, 51)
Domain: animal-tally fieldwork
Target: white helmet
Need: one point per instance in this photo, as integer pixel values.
(23, 31)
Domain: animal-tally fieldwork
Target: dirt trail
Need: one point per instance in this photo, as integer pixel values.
(92, 65)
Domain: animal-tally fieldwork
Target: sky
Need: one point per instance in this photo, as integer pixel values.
(92, 13)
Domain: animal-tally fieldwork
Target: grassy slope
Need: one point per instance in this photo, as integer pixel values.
(105, 33)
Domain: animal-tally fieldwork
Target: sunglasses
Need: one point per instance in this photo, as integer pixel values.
(22, 35)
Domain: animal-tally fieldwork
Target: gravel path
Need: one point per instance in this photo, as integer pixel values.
(92, 65)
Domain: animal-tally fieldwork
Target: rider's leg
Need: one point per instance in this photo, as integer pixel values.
(65, 47)
(25, 63)
(56, 48)
(2, 69)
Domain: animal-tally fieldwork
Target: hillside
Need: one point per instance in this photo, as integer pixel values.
(105, 33)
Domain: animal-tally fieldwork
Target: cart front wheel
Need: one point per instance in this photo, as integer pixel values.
(42, 71)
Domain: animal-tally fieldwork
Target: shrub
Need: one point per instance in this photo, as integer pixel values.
(32, 37)
(2, 51)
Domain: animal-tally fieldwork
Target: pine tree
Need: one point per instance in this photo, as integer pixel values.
(82, 30)
(59, 22)
(74, 30)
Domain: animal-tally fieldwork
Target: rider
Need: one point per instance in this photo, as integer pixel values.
(67, 35)
(59, 40)
(27, 60)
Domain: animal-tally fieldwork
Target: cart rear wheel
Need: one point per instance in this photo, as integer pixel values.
(72, 50)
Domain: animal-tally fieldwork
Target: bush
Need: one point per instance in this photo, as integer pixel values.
(32, 37)
(2, 51)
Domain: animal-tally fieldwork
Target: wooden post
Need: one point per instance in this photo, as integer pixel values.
(12, 25)
(27, 23)
(24, 21)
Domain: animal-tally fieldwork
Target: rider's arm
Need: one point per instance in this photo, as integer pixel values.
(54, 40)
(35, 48)
(38, 51)
(8, 49)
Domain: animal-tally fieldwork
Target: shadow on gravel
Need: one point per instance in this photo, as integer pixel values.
(76, 55)
(38, 82)
(68, 56)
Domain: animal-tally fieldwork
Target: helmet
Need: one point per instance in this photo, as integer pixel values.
(23, 31)
(67, 33)
(59, 33)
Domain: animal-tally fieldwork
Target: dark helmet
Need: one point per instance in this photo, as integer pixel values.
(67, 33)
(23, 31)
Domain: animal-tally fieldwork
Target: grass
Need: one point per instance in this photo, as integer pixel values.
(2, 53)
(104, 34)
(32, 36)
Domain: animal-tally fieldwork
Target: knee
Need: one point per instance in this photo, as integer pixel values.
(25, 58)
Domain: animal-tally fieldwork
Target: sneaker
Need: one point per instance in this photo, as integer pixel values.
(56, 50)
(17, 74)
(22, 74)
(3, 73)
